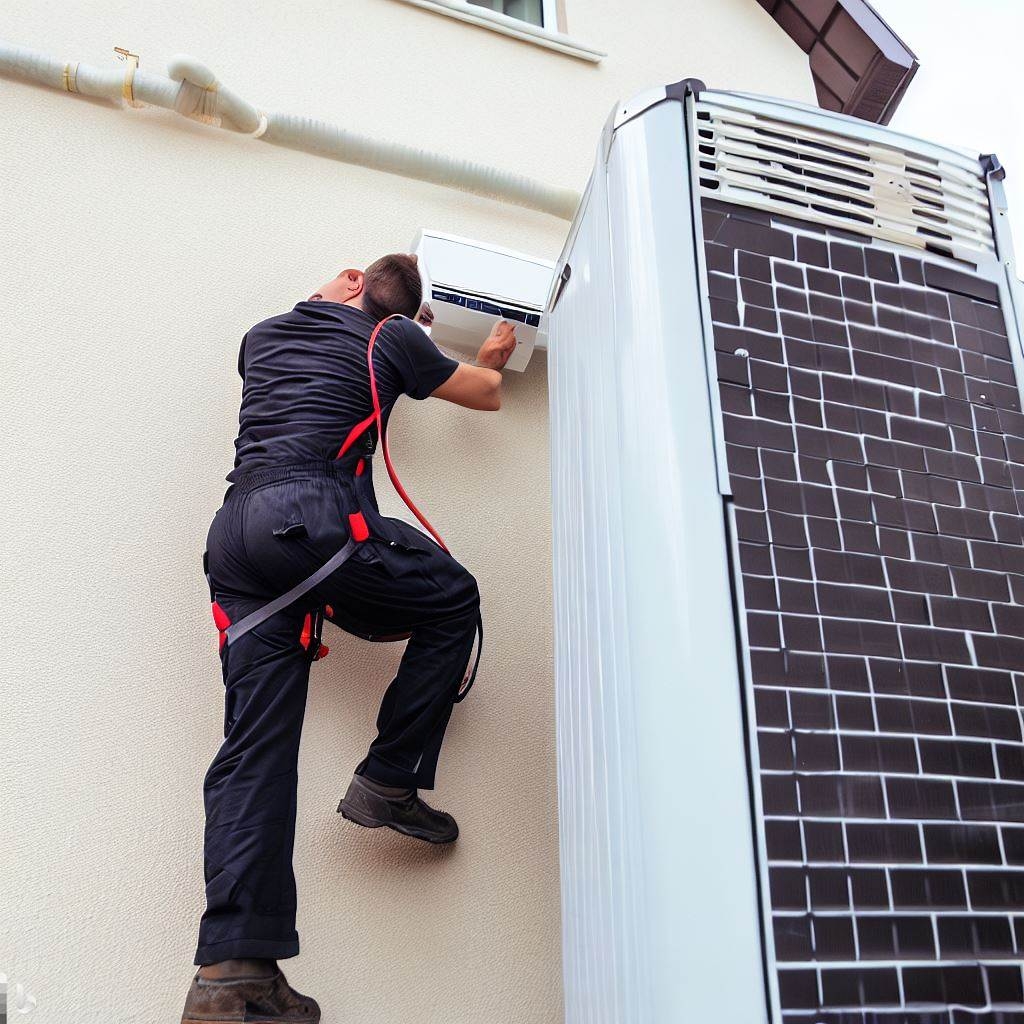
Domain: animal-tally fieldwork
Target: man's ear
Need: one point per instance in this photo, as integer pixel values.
(351, 282)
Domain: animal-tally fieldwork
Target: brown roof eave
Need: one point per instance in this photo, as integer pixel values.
(858, 63)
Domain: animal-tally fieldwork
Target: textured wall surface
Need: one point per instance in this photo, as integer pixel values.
(137, 249)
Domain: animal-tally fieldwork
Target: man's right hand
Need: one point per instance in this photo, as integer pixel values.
(479, 386)
(496, 351)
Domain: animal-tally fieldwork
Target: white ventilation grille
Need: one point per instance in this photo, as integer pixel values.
(839, 180)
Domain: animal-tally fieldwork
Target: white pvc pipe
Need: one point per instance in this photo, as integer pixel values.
(235, 114)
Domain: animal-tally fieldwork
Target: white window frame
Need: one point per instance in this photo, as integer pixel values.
(483, 17)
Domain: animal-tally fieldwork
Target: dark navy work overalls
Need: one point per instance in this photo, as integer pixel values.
(276, 527)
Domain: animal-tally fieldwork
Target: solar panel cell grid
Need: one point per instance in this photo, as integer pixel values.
(875, 447)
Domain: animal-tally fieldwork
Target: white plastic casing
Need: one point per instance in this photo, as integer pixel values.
(469, 285)
(659, 895)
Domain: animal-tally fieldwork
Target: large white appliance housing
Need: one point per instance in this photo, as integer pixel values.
(468, 285)
(787, 488)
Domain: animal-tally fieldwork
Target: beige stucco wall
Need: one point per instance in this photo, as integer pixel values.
(136, 250)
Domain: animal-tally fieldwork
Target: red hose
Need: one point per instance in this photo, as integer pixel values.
(382, 434)
(470, 677)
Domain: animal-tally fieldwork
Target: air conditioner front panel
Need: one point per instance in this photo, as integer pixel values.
(471, 285)
(461, 329)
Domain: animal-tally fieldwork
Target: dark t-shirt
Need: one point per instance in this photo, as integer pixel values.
(306, 384)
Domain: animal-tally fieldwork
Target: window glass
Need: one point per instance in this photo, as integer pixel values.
(525, 10)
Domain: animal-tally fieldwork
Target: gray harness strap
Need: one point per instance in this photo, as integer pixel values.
(258, 617)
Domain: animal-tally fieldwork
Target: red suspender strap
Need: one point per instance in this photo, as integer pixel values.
(357, 527)
(220, 617)
(221, 621)
(354, 433)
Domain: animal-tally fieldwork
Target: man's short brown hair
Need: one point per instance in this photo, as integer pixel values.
(392, 285)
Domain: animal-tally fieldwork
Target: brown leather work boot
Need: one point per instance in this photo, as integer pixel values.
(374, 805)
(247, 1001)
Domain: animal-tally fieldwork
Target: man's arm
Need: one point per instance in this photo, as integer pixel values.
(479, 386)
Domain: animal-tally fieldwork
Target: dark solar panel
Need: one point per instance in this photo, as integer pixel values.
(875, 446)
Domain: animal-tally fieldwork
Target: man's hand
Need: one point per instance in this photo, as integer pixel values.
(479, 386)
(496, 351)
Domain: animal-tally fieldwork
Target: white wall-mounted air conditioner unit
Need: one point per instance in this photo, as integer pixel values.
(468, 285)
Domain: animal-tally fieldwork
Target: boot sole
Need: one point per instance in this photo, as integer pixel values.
(367, 822)
(246, 1020)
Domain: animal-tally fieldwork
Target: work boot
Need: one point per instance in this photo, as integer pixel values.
(375, 805)
(248, 1000)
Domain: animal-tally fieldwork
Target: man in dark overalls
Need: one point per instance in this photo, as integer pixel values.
(301, 491)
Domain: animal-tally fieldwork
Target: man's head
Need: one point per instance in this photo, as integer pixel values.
(388, 285)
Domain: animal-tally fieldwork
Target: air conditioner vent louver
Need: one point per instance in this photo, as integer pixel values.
(886, 192)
